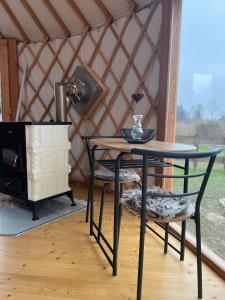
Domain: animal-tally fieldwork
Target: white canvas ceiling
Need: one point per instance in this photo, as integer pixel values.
(37, 20)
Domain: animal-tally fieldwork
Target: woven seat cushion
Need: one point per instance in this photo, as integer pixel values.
(156, 206)
(125, 175)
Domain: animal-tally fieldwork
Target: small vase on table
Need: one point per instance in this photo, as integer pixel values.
(137, 131)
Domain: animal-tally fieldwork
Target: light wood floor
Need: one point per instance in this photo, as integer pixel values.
(61, 261)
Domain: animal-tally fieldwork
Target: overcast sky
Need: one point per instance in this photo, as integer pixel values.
(202, 58)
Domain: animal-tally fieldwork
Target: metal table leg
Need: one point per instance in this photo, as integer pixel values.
(91, 191)
(116, 213)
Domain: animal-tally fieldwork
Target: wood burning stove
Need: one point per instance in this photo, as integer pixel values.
(11, 158)
(13, 179)
(34, 161)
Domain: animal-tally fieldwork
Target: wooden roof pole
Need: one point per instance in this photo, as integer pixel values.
(78, 13)
(57, 17)
(35, 18)
(14, 20)
(105, 10)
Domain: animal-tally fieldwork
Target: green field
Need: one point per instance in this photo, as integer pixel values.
(205, 147)
(212, 211)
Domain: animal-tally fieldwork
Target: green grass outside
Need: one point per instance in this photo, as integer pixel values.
(212, 212)
(205, 147)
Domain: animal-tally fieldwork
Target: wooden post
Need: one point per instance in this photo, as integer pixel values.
(9, 78)
(173, 71)
(169, 67)
(4, 70)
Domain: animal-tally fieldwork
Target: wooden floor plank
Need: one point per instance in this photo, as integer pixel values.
(60, 260)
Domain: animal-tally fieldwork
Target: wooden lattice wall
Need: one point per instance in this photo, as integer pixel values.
(125, 56)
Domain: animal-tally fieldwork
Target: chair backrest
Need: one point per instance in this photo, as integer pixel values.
(87, 138)
(209, 159)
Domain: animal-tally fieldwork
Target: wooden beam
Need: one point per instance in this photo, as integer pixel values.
(169, 58)
(14, 20)
(169, 65)
(105, 10)
(4, 70)
(9, 78)
(57, 17)
(174, 69)
(13, 77)
(78, 13)
(35, 18)
(164, 70)
(173, 74)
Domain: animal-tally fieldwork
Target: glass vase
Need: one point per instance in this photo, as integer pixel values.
(137, 131)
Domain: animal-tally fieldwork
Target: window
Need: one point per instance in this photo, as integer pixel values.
(201, 105)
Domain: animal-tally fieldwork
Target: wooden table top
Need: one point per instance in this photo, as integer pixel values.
(121, 145)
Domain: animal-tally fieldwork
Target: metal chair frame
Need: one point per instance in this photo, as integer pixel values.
(101, 162)
(99, 236)
(186, 156)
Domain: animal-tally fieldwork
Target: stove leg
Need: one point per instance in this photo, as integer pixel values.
(70, 195)
(34, 211)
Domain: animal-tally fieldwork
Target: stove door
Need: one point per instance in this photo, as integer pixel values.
(12, 185)
(11, 158)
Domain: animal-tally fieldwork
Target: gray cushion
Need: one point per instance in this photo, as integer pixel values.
(156, 206)
(125, 175)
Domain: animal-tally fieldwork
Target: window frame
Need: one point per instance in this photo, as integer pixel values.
(209, 257)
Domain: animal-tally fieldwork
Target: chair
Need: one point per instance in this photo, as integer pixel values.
(153, 196)
(106, 175)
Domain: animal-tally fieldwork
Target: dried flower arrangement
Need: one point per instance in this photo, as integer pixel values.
(137, 97)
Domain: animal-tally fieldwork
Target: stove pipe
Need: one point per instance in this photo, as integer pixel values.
(61, 102)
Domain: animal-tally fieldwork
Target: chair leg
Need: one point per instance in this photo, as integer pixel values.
(91, 201)
(199, 254)
(101, 210)
(88, 203)
(141, 260)
(121, 208)
(182, 245)
(120, 216)
(166, 238)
